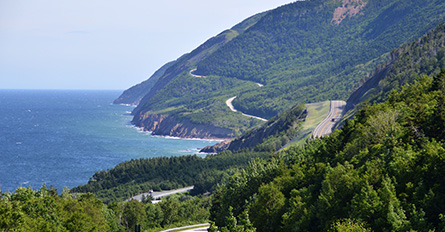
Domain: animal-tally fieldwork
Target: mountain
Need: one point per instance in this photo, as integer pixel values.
(271, 136)
(380, 172)
(303, 52)
(173, 120)
(383, 171)
(425, 56)
(134, 95)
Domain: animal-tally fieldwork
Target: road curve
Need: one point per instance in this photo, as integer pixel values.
(200, 227)
(157, 194)
(230, 105)
(194, 75)
(335, 113)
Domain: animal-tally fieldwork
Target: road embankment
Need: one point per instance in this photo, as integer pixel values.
(334, 116)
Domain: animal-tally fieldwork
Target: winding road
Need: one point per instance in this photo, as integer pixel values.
(157, 194)
(229, 101)
(335, 113)
(230, 105)
(194, 75)
(194, 228)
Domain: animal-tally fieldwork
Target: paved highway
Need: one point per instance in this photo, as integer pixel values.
(194, 75)
(157, 195)
(230, 105)
(200, 227)
(335, 113)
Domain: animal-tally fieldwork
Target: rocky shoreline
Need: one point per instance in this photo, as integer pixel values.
(165, 125)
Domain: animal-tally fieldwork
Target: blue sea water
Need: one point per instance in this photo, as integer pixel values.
(62, 137)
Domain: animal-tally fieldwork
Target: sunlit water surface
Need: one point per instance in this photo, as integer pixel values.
(62, 137)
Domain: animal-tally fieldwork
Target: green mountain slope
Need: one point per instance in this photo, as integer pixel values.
(426, 56)
(271, 136)
(186, 62)
(300, 54)
(307, 51)
(163, 173)
(184, 100)
(383, 171)
(134, 95)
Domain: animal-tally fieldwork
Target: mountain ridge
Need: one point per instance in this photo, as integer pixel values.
(296, 52)
(134, 95)
(423, 56)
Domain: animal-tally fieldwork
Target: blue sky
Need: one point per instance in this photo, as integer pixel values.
(106, 44)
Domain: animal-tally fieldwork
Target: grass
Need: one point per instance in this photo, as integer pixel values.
(316, 113)
(165, 110)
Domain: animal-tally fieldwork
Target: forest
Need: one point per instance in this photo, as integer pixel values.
(298, 56)
(425, 56)
(381, 172)
(46, 210)
(164, 173)
(269, 137)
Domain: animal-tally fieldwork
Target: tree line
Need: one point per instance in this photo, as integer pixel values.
(164, 173)
(383, 171)
(46, 210)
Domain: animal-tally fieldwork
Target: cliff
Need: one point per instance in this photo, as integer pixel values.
(187, 61)
(306, 51)
(165, 125)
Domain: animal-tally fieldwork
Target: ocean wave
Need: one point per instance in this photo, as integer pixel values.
(191, 139)
(132, 105)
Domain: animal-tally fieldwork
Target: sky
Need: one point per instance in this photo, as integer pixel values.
(106, 44)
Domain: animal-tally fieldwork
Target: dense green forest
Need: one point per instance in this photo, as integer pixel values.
(205, 101)
(46, 210)
(426, 56)
(383, 171)
(164, 173)
(297, 53)
(269, 137)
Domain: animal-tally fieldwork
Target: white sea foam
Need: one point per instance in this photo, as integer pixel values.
(170, 137)
(132, 105)
(193, 139)
(106, 139)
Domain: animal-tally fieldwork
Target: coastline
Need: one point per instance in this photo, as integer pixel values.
(166, 125)
(74, 143)
(143, 130)
(157, 125)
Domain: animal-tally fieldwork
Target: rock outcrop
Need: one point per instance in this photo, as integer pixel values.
(165, 125)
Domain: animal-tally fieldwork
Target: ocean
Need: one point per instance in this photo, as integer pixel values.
(62, 137)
